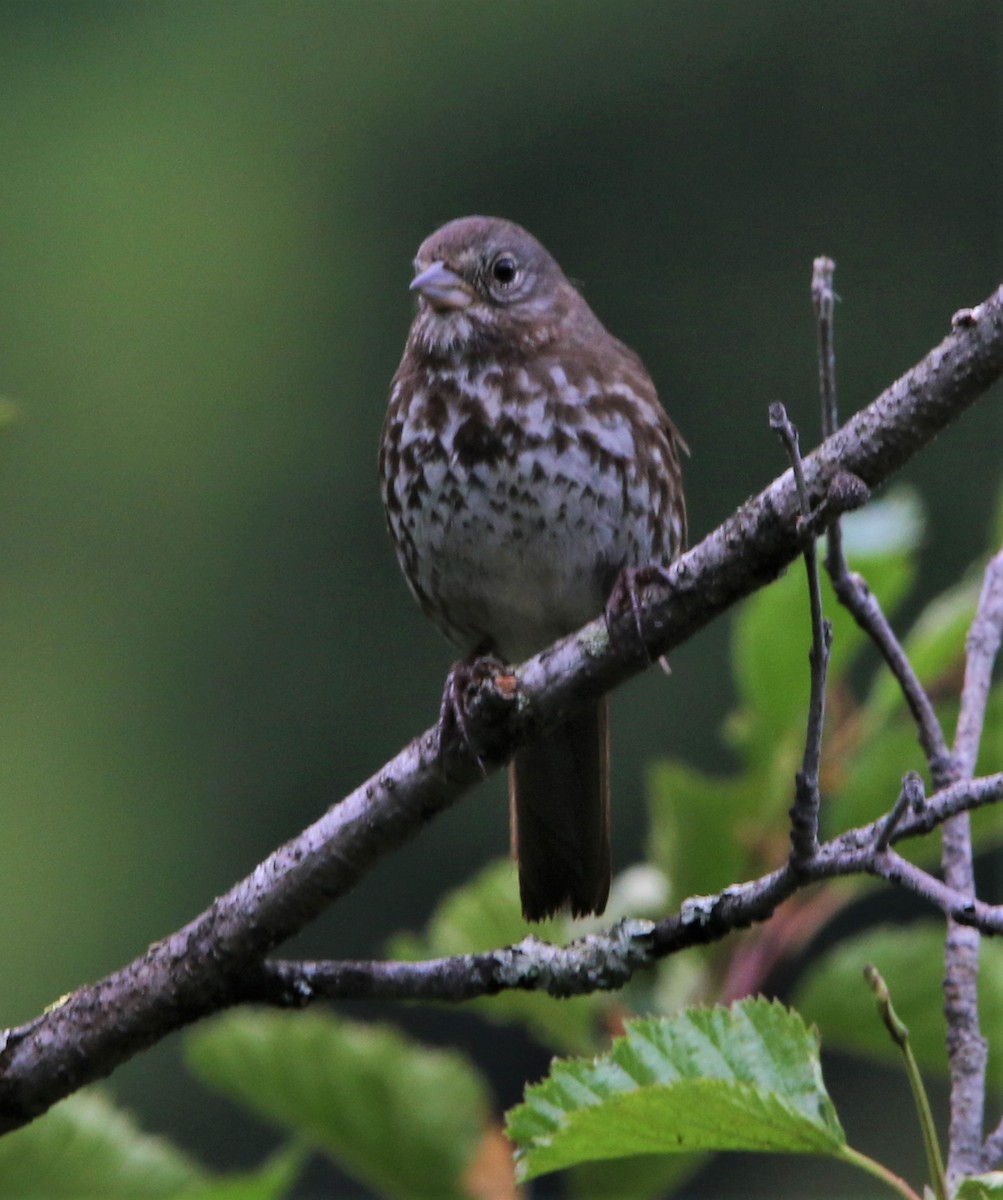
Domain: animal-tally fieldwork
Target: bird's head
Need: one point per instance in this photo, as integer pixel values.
(485, 281)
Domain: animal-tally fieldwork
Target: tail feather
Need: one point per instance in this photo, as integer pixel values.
(560, 815)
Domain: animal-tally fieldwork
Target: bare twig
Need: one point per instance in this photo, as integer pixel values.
(992, 1151)
(850, 588)
(854, 594)
(807, 800)
(212, 962)
(967, 1051)
(958, 906)
(982, 647)
(912, 796)
(602, 961)
(824, 301)
(963, 796)
(966, 1047)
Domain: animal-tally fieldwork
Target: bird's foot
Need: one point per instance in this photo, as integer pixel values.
(626, 596)
(463, 674)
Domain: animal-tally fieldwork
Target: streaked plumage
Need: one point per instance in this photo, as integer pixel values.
(525, 461)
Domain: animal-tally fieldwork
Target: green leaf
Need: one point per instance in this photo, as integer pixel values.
(871, 777)
(271, 1181)
(404, 1119)
(911, 960)
(481, 915)
(696, 824)
(981, 1187)
(484, 914)
(85, 1146)
(935, 645)
(891, 526)
(772, 633)
(740, 1078)
(770, 641)
(991, 749)
(641, 1177)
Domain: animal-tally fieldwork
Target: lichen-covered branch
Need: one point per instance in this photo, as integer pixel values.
(214, 960)
(603, 961)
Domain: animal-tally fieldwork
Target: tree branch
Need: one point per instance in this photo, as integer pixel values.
(850, 588)
(967, 1050)
(981, 648)
(824, 302)
(807, 800)
(206, 965)
(912, 796)
(608, 960)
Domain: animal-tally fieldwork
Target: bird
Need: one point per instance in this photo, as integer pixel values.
(525, 463)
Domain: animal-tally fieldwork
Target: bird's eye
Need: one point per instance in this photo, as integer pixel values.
(504, 269)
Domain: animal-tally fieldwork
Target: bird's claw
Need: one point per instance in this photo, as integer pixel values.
(463, 674)
(627, 593)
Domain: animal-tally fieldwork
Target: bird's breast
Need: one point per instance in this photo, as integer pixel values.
(514, 500)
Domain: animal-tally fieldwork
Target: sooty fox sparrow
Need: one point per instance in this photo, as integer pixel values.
(525, 461)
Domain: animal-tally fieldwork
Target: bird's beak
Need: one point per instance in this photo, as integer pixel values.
(442, 288)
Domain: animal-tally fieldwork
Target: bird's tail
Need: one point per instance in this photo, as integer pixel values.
(559, 805)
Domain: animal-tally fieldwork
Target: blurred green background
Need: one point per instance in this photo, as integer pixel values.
(207, 216)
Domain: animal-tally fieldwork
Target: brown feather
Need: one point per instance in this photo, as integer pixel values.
(525, 462)
(560, 817)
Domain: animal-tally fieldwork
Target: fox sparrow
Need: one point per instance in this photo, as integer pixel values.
(525, 461)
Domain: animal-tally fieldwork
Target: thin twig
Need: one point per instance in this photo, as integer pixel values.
(957, 905)
(966, 1047)
(824, 301)
(854, 594)
(964, 796)
(992, 1151)
(605, 960)
(850, 588)
(804, 813)
(912, 796)
(981, 649)
(967, 1050)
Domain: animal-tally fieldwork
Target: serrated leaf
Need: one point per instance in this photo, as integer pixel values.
(981, 1187)
(740, 1078)
(482, 915)
(911, 960)
(86, 1146)
(404, 1119)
